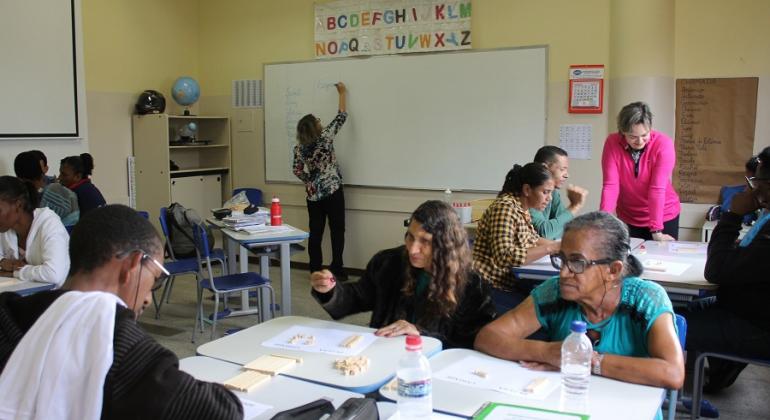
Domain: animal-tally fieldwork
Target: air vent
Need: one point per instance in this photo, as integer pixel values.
(247, 93)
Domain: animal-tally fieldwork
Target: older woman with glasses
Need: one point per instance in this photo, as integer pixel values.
(630, 320)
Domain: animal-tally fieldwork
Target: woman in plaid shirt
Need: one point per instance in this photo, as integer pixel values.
(505, 237)
(315, 163)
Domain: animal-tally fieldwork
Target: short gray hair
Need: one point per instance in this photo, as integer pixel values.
(633, 114)
(614, 242)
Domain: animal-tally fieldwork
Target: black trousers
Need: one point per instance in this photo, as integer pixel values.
(670, 227)
(333, 208)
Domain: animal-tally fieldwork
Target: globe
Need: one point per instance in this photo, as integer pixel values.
(185, 91)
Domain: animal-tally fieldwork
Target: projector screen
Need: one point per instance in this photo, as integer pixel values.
(41, 94)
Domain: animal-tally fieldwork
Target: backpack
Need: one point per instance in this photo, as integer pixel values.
(180, 222)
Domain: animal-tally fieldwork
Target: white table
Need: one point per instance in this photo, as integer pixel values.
(280, 392)
(246, 345)
(608, 398)
(243, 241)
(23, 287)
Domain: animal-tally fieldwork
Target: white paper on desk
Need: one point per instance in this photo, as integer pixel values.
(263, 229)
(9, 281)
(691, 249)
(501, 375)
(326, 340)
(252, 409)
(434, 416)
(502, 412)
(546, 260)
(668, 267)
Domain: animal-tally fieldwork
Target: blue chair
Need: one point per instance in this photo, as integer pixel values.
(673, 394)
(253, 194)
(697, 383)
(223, 285)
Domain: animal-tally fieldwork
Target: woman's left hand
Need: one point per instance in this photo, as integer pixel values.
(397, 328)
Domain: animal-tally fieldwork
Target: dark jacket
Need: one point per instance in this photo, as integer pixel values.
(144, 381)
(743, 274)
(379, 291)
(89, 197)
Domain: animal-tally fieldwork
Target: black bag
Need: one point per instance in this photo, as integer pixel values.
(311, 411)
(180, 221)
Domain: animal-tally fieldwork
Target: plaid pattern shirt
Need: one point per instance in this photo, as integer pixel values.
(504, 234)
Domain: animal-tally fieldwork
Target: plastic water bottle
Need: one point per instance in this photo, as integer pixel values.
(275, 212)
(448, 196)
(414, 383)
(576, 354)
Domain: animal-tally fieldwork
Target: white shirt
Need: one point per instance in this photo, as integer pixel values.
(46, 251)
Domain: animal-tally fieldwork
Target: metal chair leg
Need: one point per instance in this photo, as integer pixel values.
(697, 386)
(214, 317)
(198, 313)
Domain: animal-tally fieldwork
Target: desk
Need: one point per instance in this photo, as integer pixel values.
(280, 392)
(608, 398)
(246, 345)
(25, 287)
(243, 241)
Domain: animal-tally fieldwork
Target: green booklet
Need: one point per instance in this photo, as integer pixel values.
(499, 411)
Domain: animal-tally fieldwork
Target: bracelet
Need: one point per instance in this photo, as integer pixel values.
(596, 363)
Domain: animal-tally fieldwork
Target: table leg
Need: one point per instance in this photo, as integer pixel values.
(285, 279)
(244, 262)
(264, 271)
(231, 246)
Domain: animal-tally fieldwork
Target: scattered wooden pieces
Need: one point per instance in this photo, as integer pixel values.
(535, 385)
(351, 341)
(246, 381)
(302, 339)
(272, 364)
(480, 373)
(352, 365)
(392, 385)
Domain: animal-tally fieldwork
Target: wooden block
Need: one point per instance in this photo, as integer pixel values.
(351, 341)
(272, 364)
(535, 385)
(246, 381)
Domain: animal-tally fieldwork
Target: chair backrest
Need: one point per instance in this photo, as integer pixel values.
(164, 228)
(201, 240)
(681, 329)
(144, 214)
(253, 194)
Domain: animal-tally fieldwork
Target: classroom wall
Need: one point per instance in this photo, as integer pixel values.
(139, 44)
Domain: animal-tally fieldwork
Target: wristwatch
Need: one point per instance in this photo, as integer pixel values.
(596, 363)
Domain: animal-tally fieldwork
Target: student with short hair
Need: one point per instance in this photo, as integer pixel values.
(33, 241)
(60, 199)
(550, 221)
(79, 353)
(75, 174)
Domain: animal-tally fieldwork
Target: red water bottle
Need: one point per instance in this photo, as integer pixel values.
(275, 212)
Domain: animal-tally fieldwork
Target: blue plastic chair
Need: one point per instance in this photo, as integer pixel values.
(223, 285)
(673, 394)
(697, 383)
(253, 194)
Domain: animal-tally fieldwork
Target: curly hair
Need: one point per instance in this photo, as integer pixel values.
(450, 262)
(307, 130)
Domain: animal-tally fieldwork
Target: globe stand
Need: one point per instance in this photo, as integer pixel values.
(187, 112)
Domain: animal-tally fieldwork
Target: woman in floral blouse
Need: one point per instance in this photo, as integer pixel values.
(315, 163)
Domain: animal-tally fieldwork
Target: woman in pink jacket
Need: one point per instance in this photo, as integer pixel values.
(637, 163)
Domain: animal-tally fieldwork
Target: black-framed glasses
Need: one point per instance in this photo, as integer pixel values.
(164, 274)
(577, 265)
(753, 181)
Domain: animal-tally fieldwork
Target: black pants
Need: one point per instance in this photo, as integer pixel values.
(669, 228)
(333, 208)
(711, 327)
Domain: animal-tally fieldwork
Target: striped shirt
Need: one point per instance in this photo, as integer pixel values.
(504, 235)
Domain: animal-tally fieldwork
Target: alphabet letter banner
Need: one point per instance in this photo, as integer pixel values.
(347, 28)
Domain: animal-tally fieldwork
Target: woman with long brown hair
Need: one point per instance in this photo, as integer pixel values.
(425, 286)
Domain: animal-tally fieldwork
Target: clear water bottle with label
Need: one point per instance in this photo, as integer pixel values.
(576, 353)
(414, 382)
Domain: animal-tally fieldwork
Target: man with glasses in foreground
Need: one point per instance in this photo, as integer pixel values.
(630, 320)
(736, 320)
(77, 353)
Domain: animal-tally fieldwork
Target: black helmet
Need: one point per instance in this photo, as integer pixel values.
(150, 102)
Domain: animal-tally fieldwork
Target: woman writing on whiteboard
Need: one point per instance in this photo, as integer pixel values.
(637, 163)
(315, 163)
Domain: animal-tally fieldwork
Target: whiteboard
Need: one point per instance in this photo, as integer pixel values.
(39, 82)
(432, 121)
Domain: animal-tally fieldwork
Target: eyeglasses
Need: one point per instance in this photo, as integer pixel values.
(754, 182)
(576, 265)
(162, 277)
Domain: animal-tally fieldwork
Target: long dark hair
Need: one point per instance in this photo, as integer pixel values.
(307, 130)
(13, 189)
(613, 239)
(450, 262)
(533, 174)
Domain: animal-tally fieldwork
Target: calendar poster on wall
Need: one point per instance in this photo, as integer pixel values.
(586, 89)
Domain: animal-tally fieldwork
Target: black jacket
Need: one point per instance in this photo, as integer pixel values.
(144, 381)
(379, 291)
(743, 274)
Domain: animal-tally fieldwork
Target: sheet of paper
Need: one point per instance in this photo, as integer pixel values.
(9, 281)
(253, 409)
(434, 416)
(498, 375)
(517, 412)
(546, 260)
(320, 340)
(576, 140)
(668, 267)
(687, 248)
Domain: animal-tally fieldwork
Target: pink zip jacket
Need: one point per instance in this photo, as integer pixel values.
(646, 200)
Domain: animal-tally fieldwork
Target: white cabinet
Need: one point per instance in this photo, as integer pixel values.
(199, 192)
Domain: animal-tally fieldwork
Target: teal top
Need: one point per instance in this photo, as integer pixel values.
(550, 222)
(623, 333)
(423, 279)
